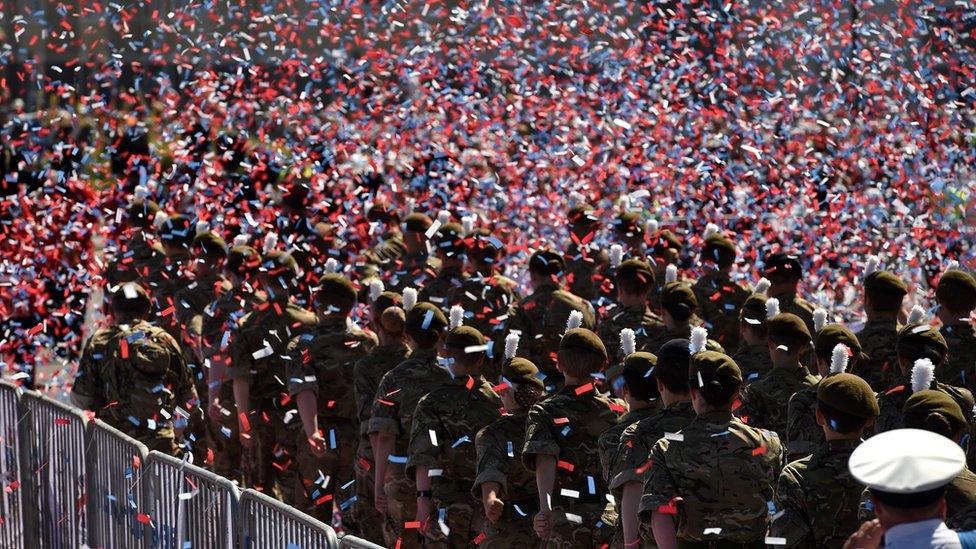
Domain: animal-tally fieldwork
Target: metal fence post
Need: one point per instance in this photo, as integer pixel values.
(266, 522)
(11, 486)
(115, 488)
(357, 543)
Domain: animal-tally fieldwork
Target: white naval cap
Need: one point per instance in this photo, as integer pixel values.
(906, 461)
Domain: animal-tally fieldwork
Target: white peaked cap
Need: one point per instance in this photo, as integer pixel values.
(906, 461)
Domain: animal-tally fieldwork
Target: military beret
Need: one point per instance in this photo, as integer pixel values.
(665, 240)
(277, 263)
(674, 353)
(519, 371)
(547, 262)
(719, 249)
(675, 293)
(417, 222)
(782, 266)
(581, 339)
(131, 298)
(337, 291)
(832, 334)
(921, 341)
(635, 271)
(449, 239)
(484, 244)
(922, 404)
(386, 300)
(463, 337)
(629, 223)
(885, 282)
(705, 366)
(641, 360)
(243, 260)
(425, 316)
(177, 231)
(209, 244)
(141, 213)
(380, 211)
(582, 215)
(849, 394)
(753, 311)
(789, 329)
(958, 288)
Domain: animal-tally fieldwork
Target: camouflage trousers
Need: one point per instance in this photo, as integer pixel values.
(363, 519)
(401, 496)
(595, 528)
(457, 524)
(269, 464)
(510, 534)
(329, 479)
(225, 437)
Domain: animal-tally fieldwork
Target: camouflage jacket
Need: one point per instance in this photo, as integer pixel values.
(653, 344)
(217, 328)
(719, 301)
(136, 258)
(584, 265)
(609, 441)
(367, 373)
(442, 437)
(410, 271)
(645, 324)
(803, 435)
(763, 401)
(440, 288)
(792, 303)
(879, 365)
(817, 498)
(486, 302)
(164, 285)
(192, 300)
(892, 402)
(632, 457)
(723, 470)
(499, 446)
(960, 366)
(754, 362)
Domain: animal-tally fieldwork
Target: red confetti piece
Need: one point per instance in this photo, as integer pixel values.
(583, 389)
(565, 465)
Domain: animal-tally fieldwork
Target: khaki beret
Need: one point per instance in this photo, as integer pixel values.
(417, 222)
(789, 329)
(582, 215)
(335, 291)
(547, 262)
(463, 337)
(920, 405)
(782, 266)
(177, 231)
(519, 371)
(628, 223)
(209, 244)
(386, 300)
(277, 263)
(425, 316)
(665, 240)
(581, 339)
(130, 297)
(142, 212)
(921, 341)
(885, 282)
(958, 288)
(705, 366)
(449, 239)
(675, 293)
(243, 260)
(719, 249)
(636, 272)
(849, 394)
(830, 336)
(753, 311)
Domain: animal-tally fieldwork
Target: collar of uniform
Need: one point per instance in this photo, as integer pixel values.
(641, 413)
(679, 406)
(831, 447)
(716, 416)
(423, 354)
(909, 534)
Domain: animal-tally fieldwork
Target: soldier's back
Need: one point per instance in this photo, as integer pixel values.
(803, 434)
(879, 365)
(960, 365)
(645, 324)
(719, 301)
(762, 401)
(754, 361)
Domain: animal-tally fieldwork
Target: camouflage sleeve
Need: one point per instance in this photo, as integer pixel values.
(865, 510)
(539, 437)
(630, 461)
(184, 390)
(87, 389)
(800, 423)
(384, 415)
(426, 435)
(491, 461)
(241, 353)
(607, 445)
(299, 367)
(750, 412)
(660, 487)
(791, 519)
(363, 394)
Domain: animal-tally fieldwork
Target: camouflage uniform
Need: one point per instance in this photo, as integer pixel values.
(609, 441)
(367, 374)
(762, 401)
(754, 361)
(792, 303)
(134, 378)
(817, 498)
(567, 426)
(724, 471)
(440, 289)
(258, 358)
(879, 366)
(442, 438)
(411, 270)
(321, 361)
(803, 434)
(136, 258)
(487, 302)
(719, 301)
(646, 326)
(584, 265)
(960, 366)
(499, 447)
(393, 410)
(892, 403)
(653, 344)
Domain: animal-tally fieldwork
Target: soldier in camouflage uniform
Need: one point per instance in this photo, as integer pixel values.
(449, 248)
(392, 416)
(540, 319)
(176, 234)
(633, 280)
(631, 459)
(627, 230)
(784, 274)
(585, 261)
(414, 266)
(884, 293)
(678, 304)
(753, 354)
(665, 249)
(956, 295)
(816, 497)
(257, 369)
(505, 486)
(390, 246)
(686, 496)
(139, 255)
(443, 457)
(803, 433)
(719, 297)
(561, 447)
(320, 380)
(132, 375)
(763, 401)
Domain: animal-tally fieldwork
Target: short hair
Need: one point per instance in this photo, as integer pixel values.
(641, 384)
(841, 422)
(577, 363)
(718, 392)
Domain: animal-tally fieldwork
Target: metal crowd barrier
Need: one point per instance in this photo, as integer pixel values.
(11, 486)
(357, 543)
(266, 522)
(116, 499)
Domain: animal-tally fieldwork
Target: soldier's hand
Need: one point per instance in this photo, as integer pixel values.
(214, 409)
(868, 536)
(317, 443)
(494, 508)
(542, 524)
(379, 499)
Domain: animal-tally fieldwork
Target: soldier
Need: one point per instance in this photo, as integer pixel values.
(560, 446)
(630, 460)
(176, 234)
(956, 295)
(584, 259)
(449, 248)
(506, 487)
(633, 281)
(257, 369)
(884, 293)
(713, 506)
(638, 390)
(678, 303)
(132, 375)
(784, 274)
(816, 498)
(762, 401)
(415, 265)
(392, 417)
(139, 253)
(665, 250)
(540, 318)
(628, 229)
(753, 354)
(390, 246)
(443, 457)
(320, 380)
(803, 433)
(719, 297)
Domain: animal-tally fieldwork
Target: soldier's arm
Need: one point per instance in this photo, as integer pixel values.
(86, 392)
(791, 520)
(799, 416)
(239, 371)
(490, 483)
(426, 436)
(659, 503)
(302, 383)
(383, 428)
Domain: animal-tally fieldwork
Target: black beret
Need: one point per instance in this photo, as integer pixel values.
(142, 212)
(177, 231)
(417, 222)
(885, 282)
(581, 339)
(519, 371)
(335, 291)
(789, 329)
(754, 310)
(425, 317)
(782, 266)
(958, 288)
(849, 394)
(582, 215)
(920, 405)
(705, 366)
(130, 298)
(547, 261)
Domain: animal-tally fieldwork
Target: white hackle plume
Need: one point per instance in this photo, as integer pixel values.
(574, 321)
(270, 241)
(916, 315)
(628, 341)
(952, 265)
(762, 286)
(457, 317)
(699, 337)
(923, 372)
(511, 345)
(616, 255)
(331, 265)
(376, 288)
(772, 307)
(819, 319)
(443, 216)
(671, 274)
(839, 359)
(652, 226)
(202, 227)
(409, 298)
(710, 229)
(241, 240)
(160, 220)
(141, 193)
(409, 205)
(623, 204)
(871, 266)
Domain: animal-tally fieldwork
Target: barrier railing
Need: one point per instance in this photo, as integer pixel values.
(116, 502)
(189, 506)
(11, 487)
(266, 522)
(357, 543)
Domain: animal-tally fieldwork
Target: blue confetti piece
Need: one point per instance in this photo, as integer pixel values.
(397, 459)
(461, 441)
(591, 484)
